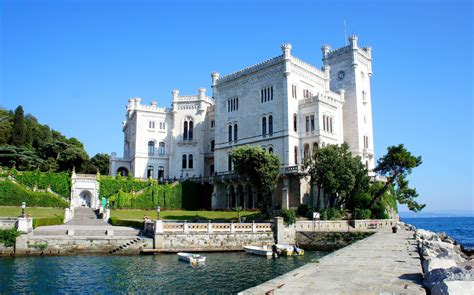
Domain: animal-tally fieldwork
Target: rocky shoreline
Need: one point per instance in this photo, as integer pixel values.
(447, 266)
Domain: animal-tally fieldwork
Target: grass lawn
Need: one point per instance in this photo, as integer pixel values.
(184, 215)
(37, 212)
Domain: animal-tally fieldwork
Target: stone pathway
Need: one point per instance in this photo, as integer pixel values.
(384, 263)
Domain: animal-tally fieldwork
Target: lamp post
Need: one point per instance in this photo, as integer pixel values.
(23, 207)
(158, 209)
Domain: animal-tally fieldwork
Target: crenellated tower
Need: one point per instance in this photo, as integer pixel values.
(351, 71)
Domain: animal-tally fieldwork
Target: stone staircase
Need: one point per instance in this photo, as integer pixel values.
(86, 216)
(86, 223)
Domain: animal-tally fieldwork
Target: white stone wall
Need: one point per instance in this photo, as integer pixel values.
(319, 92)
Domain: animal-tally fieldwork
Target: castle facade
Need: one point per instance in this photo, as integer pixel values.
(284, 105)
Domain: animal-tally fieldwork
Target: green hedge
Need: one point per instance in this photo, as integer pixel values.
(125, 222)
(55, 220)
(8, 237)
(110, 185)
(60, 183)
(167, 196)
(12, 194)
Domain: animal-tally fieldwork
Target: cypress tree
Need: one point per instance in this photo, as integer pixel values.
(19, 127)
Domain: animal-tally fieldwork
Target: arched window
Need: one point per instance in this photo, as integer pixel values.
(296, 154)
(150, 172)
(151, 147)
(161, 148)
(184, 162)
(190, 161)
(191, 127)
(230, 133)
(295, 123)
(235, 132)
(270, 150)
(185, 131)
(264, 126)
(270, 125)
(306, 151)
(161, 173)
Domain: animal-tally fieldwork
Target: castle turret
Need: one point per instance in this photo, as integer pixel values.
(350, 71)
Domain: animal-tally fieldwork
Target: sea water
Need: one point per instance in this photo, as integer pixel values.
(459, 228)
(229, 272)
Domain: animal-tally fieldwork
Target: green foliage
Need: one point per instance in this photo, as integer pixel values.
(167, 196)
(44, 221)
(8, 237)
(303, 210)
(262, 170)
(99, 162)
(12, 194)
(60, 182)
(28, 145)
(331, 214)
(289, 216)
(342, 176)
(396, 165)
(126, 222)
(19, 134)
(362, 213)
(111, 186)
(20, 157)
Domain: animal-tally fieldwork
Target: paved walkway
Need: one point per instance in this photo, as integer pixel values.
(384, 263)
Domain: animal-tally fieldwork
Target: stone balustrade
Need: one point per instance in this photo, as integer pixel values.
(206, 227)
(344, 225)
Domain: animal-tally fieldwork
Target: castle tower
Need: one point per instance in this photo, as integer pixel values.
(351, 70)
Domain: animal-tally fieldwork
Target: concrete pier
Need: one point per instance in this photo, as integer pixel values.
(384, 263)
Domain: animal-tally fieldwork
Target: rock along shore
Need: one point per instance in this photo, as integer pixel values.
(447, 268)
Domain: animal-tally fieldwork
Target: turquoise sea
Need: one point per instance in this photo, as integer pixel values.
(460, 228)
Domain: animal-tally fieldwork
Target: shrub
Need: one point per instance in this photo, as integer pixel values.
(289, 216)
(331, 214)
(8, 237)
(110, 186)
(59, 183)
(303, 210)
(44, 221)
(362, 213)
(12, 194)
(125, 222)
(167, 196)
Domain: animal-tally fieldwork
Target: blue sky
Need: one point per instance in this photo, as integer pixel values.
(74, 64)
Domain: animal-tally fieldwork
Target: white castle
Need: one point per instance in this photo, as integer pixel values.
(285, 105)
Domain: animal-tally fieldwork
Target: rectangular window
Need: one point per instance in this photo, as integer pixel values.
(213, 145)
(232, 104)
(212, 124)
(307, 123)
(366, 142)
(151, 124)
(312, 122)
(293, 91)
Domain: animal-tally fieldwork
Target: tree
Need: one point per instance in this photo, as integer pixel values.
(22, 158)
(5, 126)
(72, 156)
(396, 165)
(101, 163)
(341, 176)
(261, 169)
(19, 127)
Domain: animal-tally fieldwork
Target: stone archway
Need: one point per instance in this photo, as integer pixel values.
(122, 171)
(86, 198)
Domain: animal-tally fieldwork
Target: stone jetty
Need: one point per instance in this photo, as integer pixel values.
(384, 263)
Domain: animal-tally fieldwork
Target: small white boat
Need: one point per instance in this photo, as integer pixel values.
(262, 251)
(191, 258)
(289, 250)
